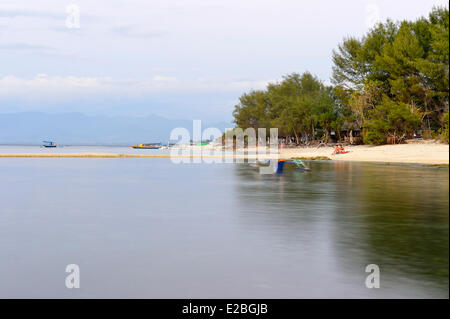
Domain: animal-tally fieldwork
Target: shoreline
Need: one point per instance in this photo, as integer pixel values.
(426, 153)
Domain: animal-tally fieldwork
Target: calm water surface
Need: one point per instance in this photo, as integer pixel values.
(148, 228)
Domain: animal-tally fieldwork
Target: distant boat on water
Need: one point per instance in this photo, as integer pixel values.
(49, 144)
(151, 146)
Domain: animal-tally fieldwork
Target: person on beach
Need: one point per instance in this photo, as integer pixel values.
(339, 150)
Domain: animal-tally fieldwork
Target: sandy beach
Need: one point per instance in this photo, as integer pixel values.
(421, 153)
(425, 152)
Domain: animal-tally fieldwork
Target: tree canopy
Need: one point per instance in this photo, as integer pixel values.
(391, 81)
(298, 106)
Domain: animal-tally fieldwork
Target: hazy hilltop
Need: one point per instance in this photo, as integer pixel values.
(78, 128)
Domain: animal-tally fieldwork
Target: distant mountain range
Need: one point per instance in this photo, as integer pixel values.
(81, 129)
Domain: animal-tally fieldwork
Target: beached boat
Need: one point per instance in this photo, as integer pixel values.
(49, 144)
(151, 146)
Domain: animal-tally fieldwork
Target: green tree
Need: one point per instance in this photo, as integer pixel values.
(390, 118)
(407, 61)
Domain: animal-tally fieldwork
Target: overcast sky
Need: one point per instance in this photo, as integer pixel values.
(178, 59)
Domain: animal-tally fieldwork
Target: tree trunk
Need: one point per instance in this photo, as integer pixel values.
(296, 137)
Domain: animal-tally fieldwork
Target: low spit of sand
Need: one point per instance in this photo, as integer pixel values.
(419, 153)
(430, 153)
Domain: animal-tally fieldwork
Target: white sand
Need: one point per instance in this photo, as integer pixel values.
(423, 152)
(420, 153)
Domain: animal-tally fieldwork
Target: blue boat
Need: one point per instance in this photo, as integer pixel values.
(49, 144)
(298, 164)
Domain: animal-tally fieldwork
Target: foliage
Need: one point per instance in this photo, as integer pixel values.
(443, 133)
(406, 61)
(390, 118)
(297, 106)
(391, 81)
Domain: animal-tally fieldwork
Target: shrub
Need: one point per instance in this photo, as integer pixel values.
(443, 133)
(389, 118)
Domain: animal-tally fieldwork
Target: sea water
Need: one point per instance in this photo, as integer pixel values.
(149, 228)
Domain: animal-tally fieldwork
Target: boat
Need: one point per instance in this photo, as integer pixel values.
(280, 165)
(151, 146)
(298, 164)
(49, 144)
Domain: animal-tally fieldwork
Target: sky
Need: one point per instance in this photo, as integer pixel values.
(177, 59)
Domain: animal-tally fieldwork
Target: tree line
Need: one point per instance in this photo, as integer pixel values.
(390, 83)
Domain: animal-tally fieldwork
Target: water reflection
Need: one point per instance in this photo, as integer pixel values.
(153, 229)
(392, 215)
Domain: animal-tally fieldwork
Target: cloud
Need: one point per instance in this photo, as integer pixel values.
(26, 47)
(132, 31)
(8, 13)
(61, 87)
(34, 50)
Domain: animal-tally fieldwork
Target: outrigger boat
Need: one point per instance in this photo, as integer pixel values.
(297, 162)
(151, 146)
(49, 144)
(280, 165)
